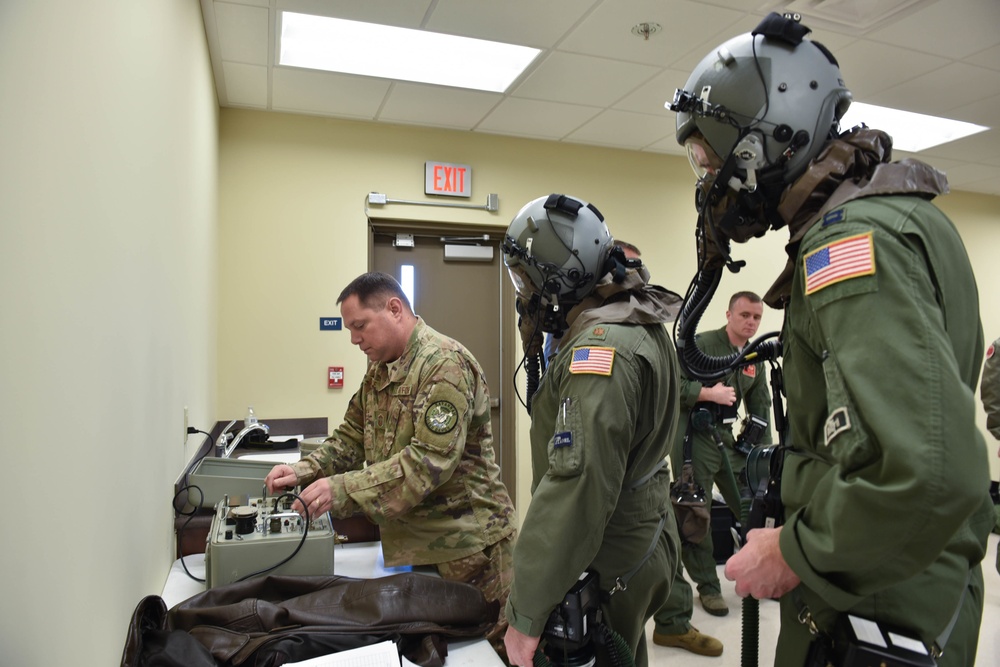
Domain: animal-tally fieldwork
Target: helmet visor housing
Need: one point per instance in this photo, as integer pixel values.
(790, 95)
(557, 246)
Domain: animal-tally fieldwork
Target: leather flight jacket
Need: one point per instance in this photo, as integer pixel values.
(271, 620)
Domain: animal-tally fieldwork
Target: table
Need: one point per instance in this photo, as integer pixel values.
(361, 560)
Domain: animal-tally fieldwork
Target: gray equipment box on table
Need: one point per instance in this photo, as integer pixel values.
(266, 536)
(218, 478)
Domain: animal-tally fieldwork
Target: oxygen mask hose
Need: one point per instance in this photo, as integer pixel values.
(698, 365)
(532, 370)
(750, 624)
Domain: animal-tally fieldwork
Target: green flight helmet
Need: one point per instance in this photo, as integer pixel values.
(557, 248)
(770, 99)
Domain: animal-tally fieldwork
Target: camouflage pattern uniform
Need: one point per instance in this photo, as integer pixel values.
(415, 455)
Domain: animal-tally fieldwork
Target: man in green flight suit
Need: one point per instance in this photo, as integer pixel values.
(989, 391)
(711, 410)
(603, 418)
(885, 488)
(415, 452)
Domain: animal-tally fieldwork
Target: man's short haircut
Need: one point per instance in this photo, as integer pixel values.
(625, 245)
(749, 296)
(374, 289)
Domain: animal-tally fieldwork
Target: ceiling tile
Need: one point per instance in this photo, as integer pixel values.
(437, 106)
(246, 85)
(954, 86)
(624, 129)
(242, 33)
(984, 112)
(524, 22)
(535, 118)
(409, 14)
(895, 65)
(651, 96)
(576, 79)
(987, 58)
(327, 93)
(953, 29)
(976, 178)
(607, 32)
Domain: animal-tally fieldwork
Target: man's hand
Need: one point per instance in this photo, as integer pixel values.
(520, 648)
(759, 569)
(280, 478)
(317, 497)
(719, 393)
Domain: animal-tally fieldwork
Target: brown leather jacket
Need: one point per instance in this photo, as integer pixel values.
(271, 620)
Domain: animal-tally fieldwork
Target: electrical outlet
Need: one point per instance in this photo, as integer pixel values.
(185, 426)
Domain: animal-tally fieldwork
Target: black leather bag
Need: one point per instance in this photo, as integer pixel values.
(691, 507)
(267, 621)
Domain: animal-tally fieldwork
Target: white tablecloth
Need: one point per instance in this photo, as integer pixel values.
(362, 560)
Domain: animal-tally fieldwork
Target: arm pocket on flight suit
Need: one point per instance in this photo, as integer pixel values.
(843, 435)
(398, 427)
(566, 446)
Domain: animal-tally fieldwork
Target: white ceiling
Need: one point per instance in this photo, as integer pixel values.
(597, 83)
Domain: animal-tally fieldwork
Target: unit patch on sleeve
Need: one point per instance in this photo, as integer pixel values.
(441, 417)
(838, 261)
(596, 360)
(838, 422)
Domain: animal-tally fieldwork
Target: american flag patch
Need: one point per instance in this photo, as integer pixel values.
(840, 260)
(596, 360)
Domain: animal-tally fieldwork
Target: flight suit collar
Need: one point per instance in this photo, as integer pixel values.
(385, 374)
(852, 166)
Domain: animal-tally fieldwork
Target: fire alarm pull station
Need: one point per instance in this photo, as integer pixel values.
(335, 377)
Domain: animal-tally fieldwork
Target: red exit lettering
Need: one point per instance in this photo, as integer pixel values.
(449, 179)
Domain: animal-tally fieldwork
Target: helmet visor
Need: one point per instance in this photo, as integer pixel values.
(523, 286)
(703, 158)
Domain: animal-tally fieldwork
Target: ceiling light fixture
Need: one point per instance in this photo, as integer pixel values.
(911, 132)
(369, 49)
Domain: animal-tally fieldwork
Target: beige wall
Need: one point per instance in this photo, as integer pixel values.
(293, 233)
(108, 150)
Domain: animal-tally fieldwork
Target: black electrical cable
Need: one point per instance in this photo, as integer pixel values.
(211, 447)
(190, 515)
(305, 534)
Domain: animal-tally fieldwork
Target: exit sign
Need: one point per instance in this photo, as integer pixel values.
(444, 178)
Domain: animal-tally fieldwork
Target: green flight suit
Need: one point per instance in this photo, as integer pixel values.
(886, 482)
(989, 389)
(711, 468)
(597, 431)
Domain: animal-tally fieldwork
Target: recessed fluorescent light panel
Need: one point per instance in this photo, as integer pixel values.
(353, 47)
(911, 132)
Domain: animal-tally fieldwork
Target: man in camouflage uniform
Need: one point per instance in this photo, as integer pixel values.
(415, 452)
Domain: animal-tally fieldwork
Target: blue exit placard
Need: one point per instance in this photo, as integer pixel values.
(330, 323)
